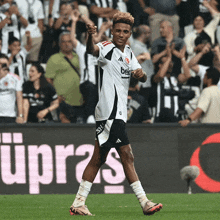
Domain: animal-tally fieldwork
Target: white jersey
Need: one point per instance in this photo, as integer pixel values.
(9, 85)
(115, 69)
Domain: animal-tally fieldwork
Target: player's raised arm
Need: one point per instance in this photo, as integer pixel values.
(139, 74)
(91, 48)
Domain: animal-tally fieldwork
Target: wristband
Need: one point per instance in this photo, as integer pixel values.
(50, 16)
(183, 59)
(189, 119)
(20, 116)
(48, 110)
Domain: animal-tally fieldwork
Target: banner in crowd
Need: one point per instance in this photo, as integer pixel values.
(44, 159)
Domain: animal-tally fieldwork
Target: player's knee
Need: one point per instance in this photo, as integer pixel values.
(99, 162)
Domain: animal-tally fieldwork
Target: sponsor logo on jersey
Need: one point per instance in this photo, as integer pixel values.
(125, 73)
(6, 83)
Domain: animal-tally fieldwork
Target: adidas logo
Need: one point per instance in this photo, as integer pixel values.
(118, 141)
(120, 59)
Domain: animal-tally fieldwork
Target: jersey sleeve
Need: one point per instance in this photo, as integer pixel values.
(104, 48)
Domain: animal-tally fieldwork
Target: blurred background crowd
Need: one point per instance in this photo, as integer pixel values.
(47, 76)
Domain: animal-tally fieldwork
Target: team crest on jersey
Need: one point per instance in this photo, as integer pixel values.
(127, 60)
(6, 83)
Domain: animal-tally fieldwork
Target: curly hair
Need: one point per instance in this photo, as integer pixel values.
(123, 17)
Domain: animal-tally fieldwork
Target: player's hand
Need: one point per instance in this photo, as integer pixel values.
(184, 123)
(91, 29)
(139, 74)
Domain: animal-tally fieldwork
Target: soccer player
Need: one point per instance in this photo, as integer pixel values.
(117, 64)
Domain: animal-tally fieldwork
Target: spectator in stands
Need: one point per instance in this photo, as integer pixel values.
(158, 49)
(101, 10)
(160, 10)
(17, 56)
(87, 70)
(185, 12)
(140, 50)
(134, 8)
(32, 10)
(208, 108)
(198, 7)
(167, 86)
(201, 69)
(62, 22)
(54, 9)
(10, 94)
(137, 105)
(63, 72)
(39, 96)
(10, 21)
(202, 34)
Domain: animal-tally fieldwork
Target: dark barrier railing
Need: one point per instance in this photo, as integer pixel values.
(50, 158)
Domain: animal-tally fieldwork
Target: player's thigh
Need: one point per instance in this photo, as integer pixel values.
(100, 153)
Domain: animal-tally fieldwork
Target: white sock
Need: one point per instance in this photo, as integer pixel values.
(84, 189)
(139, 192)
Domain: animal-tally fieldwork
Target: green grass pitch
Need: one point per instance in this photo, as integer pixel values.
(111, 207)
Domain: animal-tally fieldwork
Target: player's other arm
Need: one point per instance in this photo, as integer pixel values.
(91, 48)
(140, 75)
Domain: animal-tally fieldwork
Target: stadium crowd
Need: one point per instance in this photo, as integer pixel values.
(46, 75)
